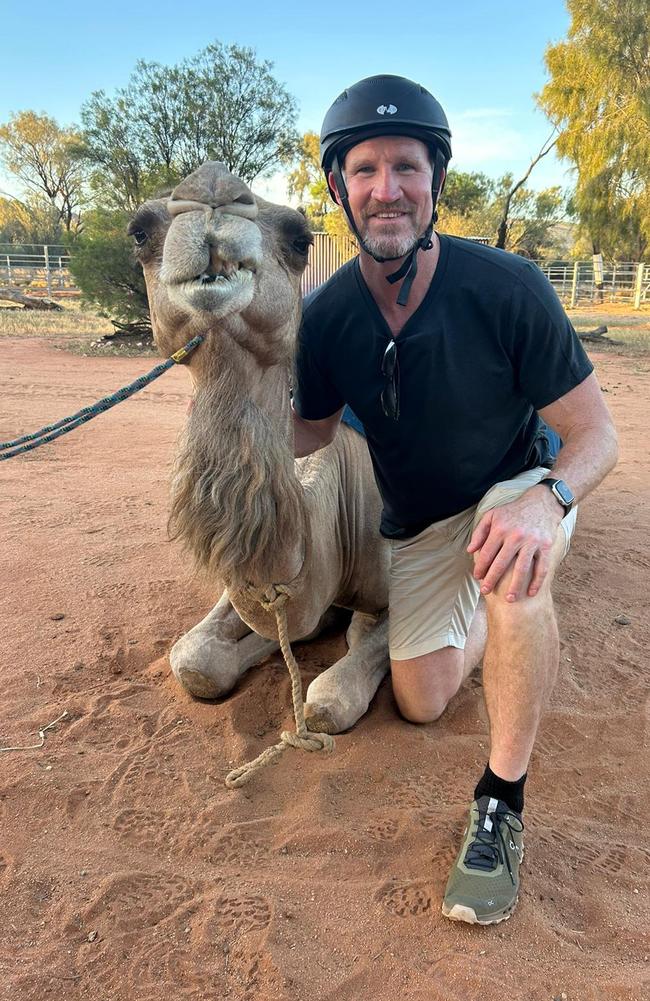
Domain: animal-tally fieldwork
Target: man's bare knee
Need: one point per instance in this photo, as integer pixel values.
(423, 686)
(421, 714)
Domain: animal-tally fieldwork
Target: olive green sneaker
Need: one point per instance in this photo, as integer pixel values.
(484, 883)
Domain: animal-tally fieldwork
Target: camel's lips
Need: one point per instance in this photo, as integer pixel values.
(224, 274)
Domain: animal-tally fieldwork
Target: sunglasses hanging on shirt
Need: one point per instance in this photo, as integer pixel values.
(390, 392)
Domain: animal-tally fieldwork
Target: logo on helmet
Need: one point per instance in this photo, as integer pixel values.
(386, 109)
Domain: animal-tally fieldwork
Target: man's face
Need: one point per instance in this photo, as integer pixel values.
(389, 190)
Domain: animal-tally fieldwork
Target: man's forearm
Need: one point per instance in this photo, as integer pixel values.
(585, 426)
(310, 436)
(586, 457)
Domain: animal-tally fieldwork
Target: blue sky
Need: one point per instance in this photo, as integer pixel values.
(482, 60)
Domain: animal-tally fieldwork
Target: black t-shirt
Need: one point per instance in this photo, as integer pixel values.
(489, 346)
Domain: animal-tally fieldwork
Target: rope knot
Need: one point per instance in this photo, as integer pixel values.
(273, 597)
(313, 742)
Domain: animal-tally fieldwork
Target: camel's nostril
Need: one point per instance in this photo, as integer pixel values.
(245, 199)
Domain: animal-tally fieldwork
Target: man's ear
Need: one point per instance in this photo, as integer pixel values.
(332, 183)
(442, 182)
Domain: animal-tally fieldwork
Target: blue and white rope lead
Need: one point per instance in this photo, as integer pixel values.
(8, 449)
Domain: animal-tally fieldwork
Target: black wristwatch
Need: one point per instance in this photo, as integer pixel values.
(562, 493)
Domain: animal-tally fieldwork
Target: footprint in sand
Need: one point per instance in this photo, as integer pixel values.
(382, 830)
(406, 900)
(241, 913)
(609, 860)
(136, 900)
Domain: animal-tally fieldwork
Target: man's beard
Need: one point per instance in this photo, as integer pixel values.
(387, 244)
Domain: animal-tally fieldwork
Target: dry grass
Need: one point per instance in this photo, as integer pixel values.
(70, 322)
(630, 327)
(82, 326)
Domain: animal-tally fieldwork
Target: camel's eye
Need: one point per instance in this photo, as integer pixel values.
(140, 237)
(302, 244)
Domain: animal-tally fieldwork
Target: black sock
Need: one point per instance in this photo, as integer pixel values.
(511, 793)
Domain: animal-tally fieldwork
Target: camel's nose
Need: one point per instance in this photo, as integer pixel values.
(212, 187)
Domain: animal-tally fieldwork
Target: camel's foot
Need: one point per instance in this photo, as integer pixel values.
(210, 659)
(332, 718)
(209, 668)
(339, 697)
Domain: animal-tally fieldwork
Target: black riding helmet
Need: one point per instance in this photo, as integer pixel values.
(379, 106)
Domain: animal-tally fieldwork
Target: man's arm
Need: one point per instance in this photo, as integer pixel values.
(522, 532)
(309, 436)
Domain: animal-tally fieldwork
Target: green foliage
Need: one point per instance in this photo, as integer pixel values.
(41, 154)
(220, 105)
(32, 221)
(472, 205)
(598, 96)
(465, 194)
(105, 269)
(308, 183)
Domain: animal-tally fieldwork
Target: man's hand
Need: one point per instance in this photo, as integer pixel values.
(516, 537)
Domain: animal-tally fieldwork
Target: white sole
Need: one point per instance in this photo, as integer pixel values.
(459, 912)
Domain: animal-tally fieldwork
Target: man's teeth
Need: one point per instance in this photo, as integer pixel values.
(388, 215)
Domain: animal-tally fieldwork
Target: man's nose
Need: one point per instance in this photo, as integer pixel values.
(387, 187)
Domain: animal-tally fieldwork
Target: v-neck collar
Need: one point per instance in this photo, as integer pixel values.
(432, 291)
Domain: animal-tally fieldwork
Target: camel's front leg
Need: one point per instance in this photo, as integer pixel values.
(210, 659)
(339, 697)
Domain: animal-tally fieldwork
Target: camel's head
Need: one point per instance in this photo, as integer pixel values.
(216, 258)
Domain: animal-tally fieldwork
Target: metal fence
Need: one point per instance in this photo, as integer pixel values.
(327, 254)
(37, 269)
(44, 271)
(577, 283)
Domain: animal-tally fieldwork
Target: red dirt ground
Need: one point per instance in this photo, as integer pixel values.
(129, 872)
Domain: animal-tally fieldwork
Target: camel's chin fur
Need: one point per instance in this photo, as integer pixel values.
(219, 298)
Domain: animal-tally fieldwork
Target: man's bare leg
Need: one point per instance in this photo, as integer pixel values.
(519, 669)
(423, 686)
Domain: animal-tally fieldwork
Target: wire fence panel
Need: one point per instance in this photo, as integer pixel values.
(44, 271)
(38, 270)
(577, 282)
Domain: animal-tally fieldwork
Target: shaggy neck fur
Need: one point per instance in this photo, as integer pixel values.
(236, 501)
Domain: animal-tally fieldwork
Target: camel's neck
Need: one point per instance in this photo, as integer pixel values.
(236, 499)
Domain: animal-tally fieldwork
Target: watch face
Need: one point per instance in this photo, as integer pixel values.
(560, 488)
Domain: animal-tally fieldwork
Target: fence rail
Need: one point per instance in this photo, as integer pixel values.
(39, 270)
(44, 270)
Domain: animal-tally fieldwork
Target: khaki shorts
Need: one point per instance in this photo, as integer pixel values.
(433, 595)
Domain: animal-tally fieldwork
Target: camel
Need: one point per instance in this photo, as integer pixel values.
(221, 262)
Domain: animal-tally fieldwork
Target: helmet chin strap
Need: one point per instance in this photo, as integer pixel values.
(409, 268)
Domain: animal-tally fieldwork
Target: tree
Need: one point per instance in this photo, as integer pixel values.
(308, 183)
(502, 228)
(32, 221)
(41, 155)
(598, 96)
(105, 269)
(465, 194)
(220, 105)
(475, 205)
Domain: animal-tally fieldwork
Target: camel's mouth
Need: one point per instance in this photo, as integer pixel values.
(225, 273)
(220, 288)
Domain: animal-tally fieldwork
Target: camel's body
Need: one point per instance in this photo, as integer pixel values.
(219, 262)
